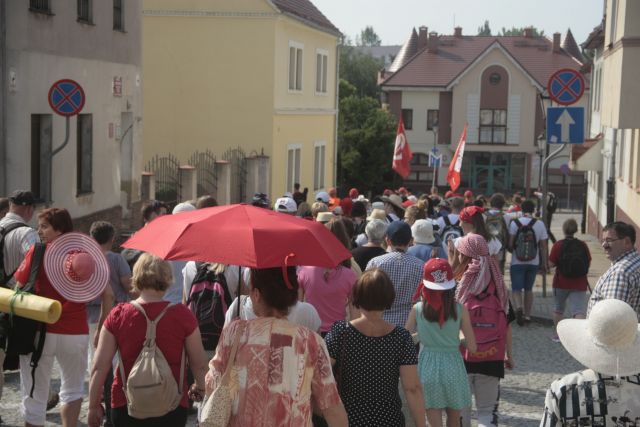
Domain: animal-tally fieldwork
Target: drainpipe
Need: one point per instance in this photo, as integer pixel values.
(3, 97)
(611, 182)
(337, 115)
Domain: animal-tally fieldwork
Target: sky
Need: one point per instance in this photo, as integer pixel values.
(393, 19)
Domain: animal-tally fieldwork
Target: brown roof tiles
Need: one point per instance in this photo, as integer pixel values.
(307, 11)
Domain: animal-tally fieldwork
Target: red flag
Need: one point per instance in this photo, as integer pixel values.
(401, 153)
(453, 176)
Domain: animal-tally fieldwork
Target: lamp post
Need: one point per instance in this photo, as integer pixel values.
(434, 129)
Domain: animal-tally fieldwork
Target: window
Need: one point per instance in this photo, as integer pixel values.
(295, 67)
(41, 156)
(319, 165)
(493, 126)
(407, 118)
(40, 6)
(613, 22)
(421, 172)
(293, 165)
(432, 119)
(84, 153)
(118, 15)
(321, 71)
(84, 11)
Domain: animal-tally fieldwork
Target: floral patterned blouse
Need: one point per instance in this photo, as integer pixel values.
(279, 368)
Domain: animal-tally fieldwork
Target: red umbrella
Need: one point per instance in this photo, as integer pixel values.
(240, 235)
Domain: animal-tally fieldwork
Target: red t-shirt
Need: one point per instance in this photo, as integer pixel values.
(129, 326)
(562, 282)
(73, 320)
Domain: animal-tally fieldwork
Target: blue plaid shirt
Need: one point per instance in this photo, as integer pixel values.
(621, 281)
(405, 272)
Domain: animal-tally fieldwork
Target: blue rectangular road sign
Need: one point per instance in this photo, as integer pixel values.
(565, 125)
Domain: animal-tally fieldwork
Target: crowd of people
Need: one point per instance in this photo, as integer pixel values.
(421, 310)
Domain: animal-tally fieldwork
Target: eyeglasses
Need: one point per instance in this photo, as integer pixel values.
(609, 241)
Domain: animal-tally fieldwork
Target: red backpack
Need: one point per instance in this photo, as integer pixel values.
(489, 323)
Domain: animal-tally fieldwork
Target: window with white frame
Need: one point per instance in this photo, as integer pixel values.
(321, 71)
(319, 159)
(295, 66)
(293, 164)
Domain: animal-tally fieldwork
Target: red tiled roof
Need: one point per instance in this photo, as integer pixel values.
(577, 150)
(306, 10)
(454, 54)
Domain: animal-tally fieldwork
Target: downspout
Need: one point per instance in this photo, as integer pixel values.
(3, 97)
(337, 115)
(611, 182)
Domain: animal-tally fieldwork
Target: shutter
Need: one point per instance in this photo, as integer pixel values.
(473, 117)
(513, 120)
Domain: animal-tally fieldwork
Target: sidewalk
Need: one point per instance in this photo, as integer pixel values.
(543, 306)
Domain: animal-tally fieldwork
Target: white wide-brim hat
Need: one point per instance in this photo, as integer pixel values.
(76, 267)
(608, 341)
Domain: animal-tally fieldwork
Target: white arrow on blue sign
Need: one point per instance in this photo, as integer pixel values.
(565, 125)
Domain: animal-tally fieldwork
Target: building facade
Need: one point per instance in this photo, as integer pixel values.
(97, 44)
(261, 77)
(612, 158)
(496, 85)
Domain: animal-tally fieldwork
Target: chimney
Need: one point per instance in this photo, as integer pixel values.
(528, 32)
(423, 35)
(556, 42)
(432, 43)
(457, 31)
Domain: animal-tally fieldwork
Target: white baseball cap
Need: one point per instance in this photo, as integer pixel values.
(285, 204)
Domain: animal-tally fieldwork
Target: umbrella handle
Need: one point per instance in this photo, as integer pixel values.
(285, 274)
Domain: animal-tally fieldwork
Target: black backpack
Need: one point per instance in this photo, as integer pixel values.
(451, 231)
(21, 335)
(525, 247)
(208, 299)
(574, 259)
(4, 230)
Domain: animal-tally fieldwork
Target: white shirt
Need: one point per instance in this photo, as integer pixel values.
(230, 273)
(494, 246)
(303, 313)
(16, 243)
(541, 234)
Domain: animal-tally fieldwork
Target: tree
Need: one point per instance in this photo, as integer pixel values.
(361, 70)
(368, 37)
(484, 30)
(516, 31)
(366, 135)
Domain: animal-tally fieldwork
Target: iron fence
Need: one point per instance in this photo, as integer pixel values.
(206, 172)
(237, 158)
(167, 177)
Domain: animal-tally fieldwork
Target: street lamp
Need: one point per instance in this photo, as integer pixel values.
(434, 129)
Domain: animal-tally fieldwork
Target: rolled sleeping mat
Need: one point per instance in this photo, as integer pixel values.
(30, 306)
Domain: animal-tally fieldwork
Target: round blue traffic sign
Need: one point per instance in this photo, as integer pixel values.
(66, 97)
(566, 86)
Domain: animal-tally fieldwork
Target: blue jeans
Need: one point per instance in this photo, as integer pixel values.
(523, 276)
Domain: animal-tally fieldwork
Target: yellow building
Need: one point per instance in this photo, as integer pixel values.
(260, 75)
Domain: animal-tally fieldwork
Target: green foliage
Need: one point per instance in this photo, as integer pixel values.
(368, 37)
(366, 135)
(515, 31)
(361, 70)
(485, 29)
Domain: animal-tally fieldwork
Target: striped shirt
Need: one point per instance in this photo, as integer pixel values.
(587, 398)
(16, 243)
(621, 281)
(405, 272)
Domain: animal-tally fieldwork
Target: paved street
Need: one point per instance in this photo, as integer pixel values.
(538, 360)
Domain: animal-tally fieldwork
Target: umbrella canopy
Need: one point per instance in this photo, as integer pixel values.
(240, 235)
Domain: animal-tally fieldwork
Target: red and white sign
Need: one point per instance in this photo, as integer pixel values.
(117, 86)
(402, 153)
(453, 176)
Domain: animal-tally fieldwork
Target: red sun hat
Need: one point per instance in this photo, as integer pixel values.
(353, 193)
(76, 267)
(468, 194)
(470, 211)
(437, 275)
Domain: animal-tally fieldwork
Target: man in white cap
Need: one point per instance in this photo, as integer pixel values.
(608, 393)
(285, 205)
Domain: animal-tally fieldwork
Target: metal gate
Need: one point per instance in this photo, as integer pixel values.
(167, 177)
(238, 161)
(206, 173)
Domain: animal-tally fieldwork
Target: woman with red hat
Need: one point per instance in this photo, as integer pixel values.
(439, 320)
(472, 221)
(481, 288)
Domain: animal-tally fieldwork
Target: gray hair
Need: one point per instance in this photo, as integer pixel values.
(376, 230)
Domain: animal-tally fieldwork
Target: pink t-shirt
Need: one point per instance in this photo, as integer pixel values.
(328, 291)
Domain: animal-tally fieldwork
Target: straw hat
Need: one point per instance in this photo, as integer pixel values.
(378, 214)
(76, 267)
(325, 217)
(608, 341)
(437, 275)
(394, 199)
